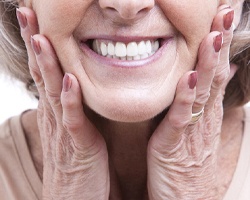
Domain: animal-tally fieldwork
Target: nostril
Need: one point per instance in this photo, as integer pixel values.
(111, 9)
(143, 10)
(126, 9)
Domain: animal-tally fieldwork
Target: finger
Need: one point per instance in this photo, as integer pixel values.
(28, 25)
(170, 131)
(233, 70)
(83, 133)
(50, 71)
(223, 22)
(208, 59)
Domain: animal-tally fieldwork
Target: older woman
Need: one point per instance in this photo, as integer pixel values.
(130, 100)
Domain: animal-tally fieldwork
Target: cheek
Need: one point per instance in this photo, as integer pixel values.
(61, 17)
(58, 24)
(192, 18)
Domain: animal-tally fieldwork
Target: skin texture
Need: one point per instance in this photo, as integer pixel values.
(124, 92)
(84, 153)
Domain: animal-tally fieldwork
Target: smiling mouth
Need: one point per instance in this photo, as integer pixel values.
(134, 50)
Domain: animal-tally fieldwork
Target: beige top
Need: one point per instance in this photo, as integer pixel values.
(18, 177)
(20, 181)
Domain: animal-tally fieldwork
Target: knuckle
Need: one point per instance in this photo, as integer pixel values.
(201, 99)
(68, 102)
(47, 66)
(221, 77)
(71, 124)
(53, 97)
(187, 101)
(178, 122)
(38, 80)
(48, 123)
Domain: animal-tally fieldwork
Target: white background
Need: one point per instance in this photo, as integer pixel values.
(14, 98)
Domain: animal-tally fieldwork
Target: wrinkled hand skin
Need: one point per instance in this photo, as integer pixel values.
(181, 156)
(75, 155)
(182, 159)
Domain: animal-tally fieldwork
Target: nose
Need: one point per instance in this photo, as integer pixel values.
(127, 9)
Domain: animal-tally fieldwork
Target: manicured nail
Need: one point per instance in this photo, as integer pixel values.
(21, 19)
(192, 80)
(66, 83)
(228, 20)
(218, 40)
(35, 45)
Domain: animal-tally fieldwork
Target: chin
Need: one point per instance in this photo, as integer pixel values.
(129, 110)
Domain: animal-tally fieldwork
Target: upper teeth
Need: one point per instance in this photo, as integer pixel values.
(131, 51)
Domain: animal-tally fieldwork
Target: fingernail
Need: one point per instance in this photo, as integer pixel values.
(66, 83)
(35, 45)
(192, 80)
(218, 40)
(21, 19)
(228, 20)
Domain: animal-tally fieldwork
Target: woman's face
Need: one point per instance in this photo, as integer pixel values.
(138, 81)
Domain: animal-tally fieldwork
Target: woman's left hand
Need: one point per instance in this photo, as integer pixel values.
(182, 156)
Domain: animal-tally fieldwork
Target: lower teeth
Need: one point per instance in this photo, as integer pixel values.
(138, 57)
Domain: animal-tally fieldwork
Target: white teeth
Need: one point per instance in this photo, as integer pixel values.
(144, 56)
(148, 47)
(104, 49)
(131, 51)
(129, 58)
(111, 49)
(156, 46)
(142, 48)
(137, 57)
(120, 49)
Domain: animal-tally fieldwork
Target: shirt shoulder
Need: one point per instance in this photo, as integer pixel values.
(18, 177)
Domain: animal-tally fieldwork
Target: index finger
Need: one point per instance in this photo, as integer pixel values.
(50, 70)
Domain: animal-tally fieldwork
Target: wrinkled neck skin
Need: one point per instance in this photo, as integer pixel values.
(127, 148)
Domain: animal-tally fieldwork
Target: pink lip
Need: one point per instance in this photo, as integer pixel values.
(124, 63)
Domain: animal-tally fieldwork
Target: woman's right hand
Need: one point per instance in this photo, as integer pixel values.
(75, 156)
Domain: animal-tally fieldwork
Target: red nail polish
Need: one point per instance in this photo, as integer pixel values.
(66, 83)
(21, 19)
(35, 45)
(228, 20)
(218, 40)
(192, 80)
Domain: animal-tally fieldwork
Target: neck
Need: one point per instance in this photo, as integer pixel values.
(127, 148)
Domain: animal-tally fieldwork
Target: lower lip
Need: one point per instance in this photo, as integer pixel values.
(125, 63)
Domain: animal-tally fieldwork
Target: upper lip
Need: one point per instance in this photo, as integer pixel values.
(124, 39)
